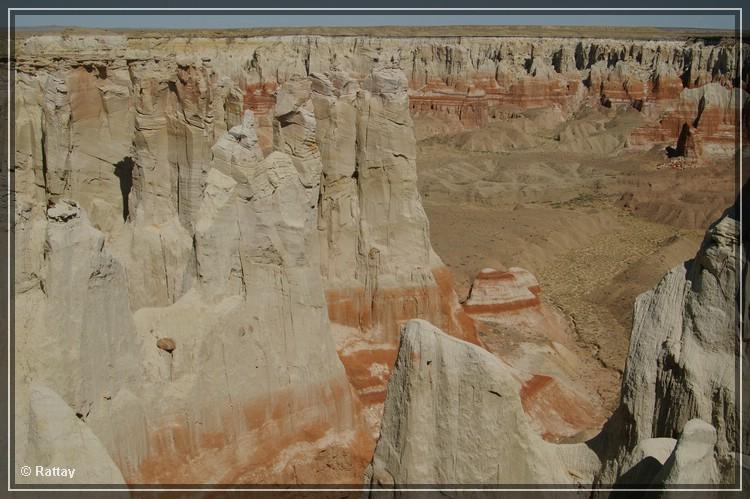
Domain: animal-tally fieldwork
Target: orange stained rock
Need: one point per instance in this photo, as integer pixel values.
(260, 98)
(557, 409)
(388, 308)
(249, 435)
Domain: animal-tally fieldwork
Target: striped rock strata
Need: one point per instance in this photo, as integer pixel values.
(536, 340)
(199, 278)
(460, 82)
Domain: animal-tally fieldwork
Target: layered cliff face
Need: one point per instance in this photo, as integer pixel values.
(466, 82)
(678, 419)
(225, 243)
(198, 272)
(371, 217)
(183, 252)
(378, 266)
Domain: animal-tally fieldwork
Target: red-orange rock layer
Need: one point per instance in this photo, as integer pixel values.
(689, 129)
(471, 111)
(666, 88)
(499, 275)
(370, 385)
(531, 92)
(85, 96)
(248, 435)
(476, 101)
(631, 91)
(501, 291)
(260, 98)
(456, 322)
(388, 308)
(556, 408)
(499, 308)
(369, 368)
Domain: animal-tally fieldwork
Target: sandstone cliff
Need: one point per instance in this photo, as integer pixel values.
(453, 416)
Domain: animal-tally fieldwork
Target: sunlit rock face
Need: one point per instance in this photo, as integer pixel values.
(198, 272)
(454, 415)
(227, 235)
(187, 246)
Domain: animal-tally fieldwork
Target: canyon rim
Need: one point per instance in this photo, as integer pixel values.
(375, 258)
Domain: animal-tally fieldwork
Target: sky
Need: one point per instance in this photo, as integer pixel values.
(204, 20)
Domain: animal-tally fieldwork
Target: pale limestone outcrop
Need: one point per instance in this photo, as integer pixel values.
(257, 312)
(646, 461)
(196, 222)
(453, 416)
(89, 359)
(379, 162)
(334, 97)
(220, 336)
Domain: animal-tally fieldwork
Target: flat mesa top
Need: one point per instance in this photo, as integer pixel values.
(606, 32)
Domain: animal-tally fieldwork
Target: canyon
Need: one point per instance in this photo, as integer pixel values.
(384, 260)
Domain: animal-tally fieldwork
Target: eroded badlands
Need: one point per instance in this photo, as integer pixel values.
(238, 238)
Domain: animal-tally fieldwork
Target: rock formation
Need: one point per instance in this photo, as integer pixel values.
(702, 120)
(378, 263)
(495, 291)
(193, 402)
(219, 239)
(458, 82)
(453, 416)
(453, 413)
(684, 353)
(57, 437)
(205, 254)
(536, 339)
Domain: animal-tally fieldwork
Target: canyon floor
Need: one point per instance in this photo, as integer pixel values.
(596, 223)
